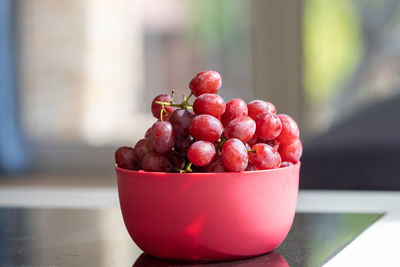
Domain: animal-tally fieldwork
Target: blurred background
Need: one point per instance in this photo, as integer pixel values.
(77, 79)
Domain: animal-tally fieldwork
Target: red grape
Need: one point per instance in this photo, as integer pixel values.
(256, 107)
(125, 157)
(265, 157)
(290, 130)
(143, 147)
(268, 125)
(148, 132)
(182, 143)
(286, 164)
(180, 120)
(216, 166)
(242, 128)
(291, 152)
(211, 104)
(234, 109)
(162, 136)
(156, 108)
(201, 153)
(208, 81)
(234, 155)
(206, 127)
(154, 162)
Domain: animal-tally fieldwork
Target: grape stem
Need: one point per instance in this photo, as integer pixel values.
(186, 100)
(162, 111)
(219, 144)
(172, 96)
(181, 105)
(187, 168)
(184, 105)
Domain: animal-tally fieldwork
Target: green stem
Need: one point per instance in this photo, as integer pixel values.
(172, 96)
(251, 151)
(161, 112)
(222, 141)
(187, 167)
(186, 100)
(219, 144)
(182, 105)
(218, 150)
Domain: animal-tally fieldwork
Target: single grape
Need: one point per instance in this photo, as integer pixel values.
(180, 120)
(290, 130)
(142, 148)
(211, 104)
(208, 81)
(234, 155)
(265, 157)
(286, 164)
(162, 136)
(156, 108)
(291, 152)
(250, 167)
(154, 162)
(206, 127)
(177, 160)
(125, 157)
(148, 132)
(182, 143)
(256, 107)
(269, 125)
(234, 109)
(216, 166)
(242, 128)
(201, 153)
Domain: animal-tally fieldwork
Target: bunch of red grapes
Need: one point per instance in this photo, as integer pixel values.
(213, 136)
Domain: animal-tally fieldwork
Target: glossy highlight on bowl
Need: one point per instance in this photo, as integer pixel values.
(208, 216)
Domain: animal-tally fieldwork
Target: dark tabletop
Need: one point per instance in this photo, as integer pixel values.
(94, 237)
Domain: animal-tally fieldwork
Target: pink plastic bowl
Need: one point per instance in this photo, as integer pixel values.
(211, 216)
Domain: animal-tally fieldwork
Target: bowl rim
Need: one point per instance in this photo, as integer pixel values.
(126, 171)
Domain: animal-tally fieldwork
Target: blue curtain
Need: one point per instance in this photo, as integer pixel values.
(13, 153)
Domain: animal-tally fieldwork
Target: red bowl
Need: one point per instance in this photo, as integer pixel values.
(208, 216)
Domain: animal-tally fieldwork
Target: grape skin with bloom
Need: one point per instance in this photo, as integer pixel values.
(206, 127)
(242, 128)
(234, 155)
(201, 153)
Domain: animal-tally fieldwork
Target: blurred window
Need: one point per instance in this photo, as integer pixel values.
(351, 57)
(90, 69)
